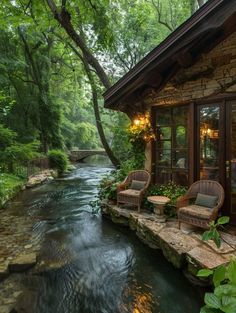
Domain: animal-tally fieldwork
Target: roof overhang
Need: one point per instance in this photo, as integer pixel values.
(210, 25)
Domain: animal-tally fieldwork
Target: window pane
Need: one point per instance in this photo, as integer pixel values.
(209, 142)
(164, 133)
(180, 137)
(172, 145)
(164, 116)
(164, 158)
(180, 115)
(180, 158)
(164, 144)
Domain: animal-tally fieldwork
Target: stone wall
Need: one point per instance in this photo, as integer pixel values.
(212, 74)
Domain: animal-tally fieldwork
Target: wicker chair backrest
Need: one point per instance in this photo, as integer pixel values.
(141, 175)
(208, 187)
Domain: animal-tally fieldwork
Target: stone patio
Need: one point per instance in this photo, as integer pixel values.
(182, 247)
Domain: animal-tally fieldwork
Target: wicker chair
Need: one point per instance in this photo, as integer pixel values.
(198, 215)
(131, 196)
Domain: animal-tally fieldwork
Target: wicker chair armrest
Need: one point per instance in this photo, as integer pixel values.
(183, 201)
(122, 186)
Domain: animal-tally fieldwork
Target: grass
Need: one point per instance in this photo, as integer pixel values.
(9, 186)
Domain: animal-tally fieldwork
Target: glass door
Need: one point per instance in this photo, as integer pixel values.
(209, 135)
(171, 147)
(216, 149)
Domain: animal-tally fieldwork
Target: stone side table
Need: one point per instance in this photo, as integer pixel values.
(159, 203)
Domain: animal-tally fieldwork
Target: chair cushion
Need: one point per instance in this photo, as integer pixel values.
(137, 184)
(206, 200)
(130, 192)
(195, 211)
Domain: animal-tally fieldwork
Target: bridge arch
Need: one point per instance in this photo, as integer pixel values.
(80, 155)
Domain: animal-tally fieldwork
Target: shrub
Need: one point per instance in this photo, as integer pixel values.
(170, 190)
(58, 160)
(223, 298)
(107, 187)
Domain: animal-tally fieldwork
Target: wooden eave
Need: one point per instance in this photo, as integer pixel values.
(210, 25)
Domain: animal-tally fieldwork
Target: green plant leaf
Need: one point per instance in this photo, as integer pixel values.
(223, 220)
(227, 300)
(219, 275)
(225, 290)
(205, 309)
(216, 238)
(231, 271)
(228, 304)
(207, 235)
(204, 272)
(212, 300)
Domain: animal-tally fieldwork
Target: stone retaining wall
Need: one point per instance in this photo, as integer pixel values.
(184, 251)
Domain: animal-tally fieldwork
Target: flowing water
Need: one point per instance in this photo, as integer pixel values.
(89, 265)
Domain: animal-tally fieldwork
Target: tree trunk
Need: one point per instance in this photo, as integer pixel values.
(64, 19)
(102, 136)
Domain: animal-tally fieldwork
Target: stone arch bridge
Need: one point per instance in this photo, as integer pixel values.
(80, 155)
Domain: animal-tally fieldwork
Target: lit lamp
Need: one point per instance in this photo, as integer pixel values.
(141, 127)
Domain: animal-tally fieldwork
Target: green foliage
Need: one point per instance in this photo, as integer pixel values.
(58, 160)
(13, 153)
(170, 190)
(107, 188)
(85, 134)
(212, 233)
(121, 144)
(223, 298)
(7, 137)
(44, 92)
(9, 186)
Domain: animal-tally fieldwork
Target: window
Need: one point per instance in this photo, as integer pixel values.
(171, 151)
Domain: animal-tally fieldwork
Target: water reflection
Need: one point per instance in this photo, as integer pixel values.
(87, 265)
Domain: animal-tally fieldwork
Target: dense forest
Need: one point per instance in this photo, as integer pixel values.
(58, 57)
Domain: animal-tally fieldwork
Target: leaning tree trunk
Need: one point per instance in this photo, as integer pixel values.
(64, 19)
(108, 150)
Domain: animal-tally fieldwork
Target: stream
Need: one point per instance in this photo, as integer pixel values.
(89, 265)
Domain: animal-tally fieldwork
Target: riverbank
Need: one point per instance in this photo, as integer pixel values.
(18, 253)
(11, 185)
(183, 248)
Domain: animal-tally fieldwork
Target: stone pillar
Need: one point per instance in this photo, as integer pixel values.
(148, 157)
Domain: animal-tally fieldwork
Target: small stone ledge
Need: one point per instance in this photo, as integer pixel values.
(183, 250)
(44, 176)
(175, 244)
(204, 257)
(4, 270)
(148, 231)
(22, 262)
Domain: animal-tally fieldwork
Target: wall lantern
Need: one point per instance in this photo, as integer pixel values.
(141, 129)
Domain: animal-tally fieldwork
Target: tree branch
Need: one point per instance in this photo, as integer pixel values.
(64, 20)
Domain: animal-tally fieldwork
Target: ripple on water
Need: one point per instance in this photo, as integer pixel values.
(87, 265)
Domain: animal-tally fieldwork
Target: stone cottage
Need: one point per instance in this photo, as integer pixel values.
(188, 84)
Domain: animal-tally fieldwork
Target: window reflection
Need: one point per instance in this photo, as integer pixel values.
(172, 145)
(209, 142)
